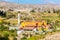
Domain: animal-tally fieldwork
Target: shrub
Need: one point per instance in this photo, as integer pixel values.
(24, 38)
(32, 10)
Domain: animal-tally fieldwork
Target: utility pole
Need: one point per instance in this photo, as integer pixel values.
(18, 16)
(18, 19)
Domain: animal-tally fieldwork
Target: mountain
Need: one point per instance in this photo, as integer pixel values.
(8, 5)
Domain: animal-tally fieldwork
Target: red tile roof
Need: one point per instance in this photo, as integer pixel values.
(28, 28)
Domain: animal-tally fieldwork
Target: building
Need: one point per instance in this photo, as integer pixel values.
(33, 23)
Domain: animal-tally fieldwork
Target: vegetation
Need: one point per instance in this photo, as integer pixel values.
(5, 32)
(10, 18)
(2, 13)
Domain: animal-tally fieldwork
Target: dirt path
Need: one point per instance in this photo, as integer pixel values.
(53, 37)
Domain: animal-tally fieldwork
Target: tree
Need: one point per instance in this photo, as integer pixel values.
(2, 13)
(48, 11)
(24, 38)
(10, 10)
(32, 10)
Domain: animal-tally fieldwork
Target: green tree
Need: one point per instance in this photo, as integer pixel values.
(32, 10)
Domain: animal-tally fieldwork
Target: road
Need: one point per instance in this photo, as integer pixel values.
(53, 37)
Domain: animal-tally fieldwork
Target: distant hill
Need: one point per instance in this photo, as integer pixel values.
(8, 5)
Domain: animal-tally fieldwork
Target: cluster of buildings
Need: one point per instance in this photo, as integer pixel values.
(29, 26)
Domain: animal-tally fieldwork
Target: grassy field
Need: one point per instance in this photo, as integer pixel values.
(11, 20)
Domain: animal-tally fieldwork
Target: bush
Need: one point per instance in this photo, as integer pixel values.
(4, 38)
(24, 38)
(6, 34)
(32, 10)
(2, 13)
(15, 39)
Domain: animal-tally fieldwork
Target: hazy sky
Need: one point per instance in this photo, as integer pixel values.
(35, 1)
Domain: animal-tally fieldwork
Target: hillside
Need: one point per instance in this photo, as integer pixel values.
(21, 6)
(11, 16)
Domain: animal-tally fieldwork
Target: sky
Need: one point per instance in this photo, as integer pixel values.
(35, 1)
